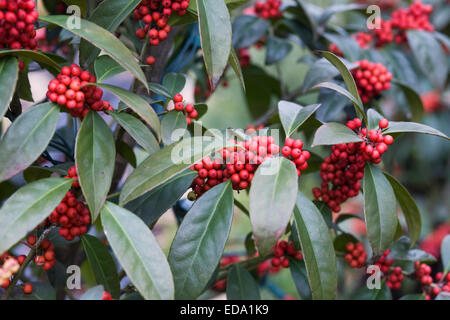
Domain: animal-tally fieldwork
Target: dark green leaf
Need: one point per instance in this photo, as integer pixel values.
(173, 127)
(95, 156)
(106, 67)
(40, 57)
(9, 74)
(27, 138)
(248, 29)
(272, 198)
(138, 252)
(241, 285)
(277, 49)
(102, 264)
(236, 65)
(95, 293)
(300, 277)
(317, 249)
(414, 101)
(396, 127)
(292, 115)
(200, 240)
(174, 82)
(334, 133)
(160, 90)
(215, 33)
(28, 207)
(380, 209)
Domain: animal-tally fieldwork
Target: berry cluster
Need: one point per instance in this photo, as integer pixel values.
(395, 278)
(189, 109)
(363, 38)
(415, 17)
(155, 15)
(371, 79)
(344, 168)
(17, 19)
(431, 288)
(293, 151)
(356, 255)
(385, 263)
(244, 57)
(269, 9)
(71, 214)
(8, 266)
(46, 250)
(70, 89)
(384, 34)
(281, 251)
(237, 163)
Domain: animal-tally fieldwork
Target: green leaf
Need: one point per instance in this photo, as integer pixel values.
(317, 249)
(397, 127)
(27, 138)
(166, 164)
(413, 296)
(126, 152)
(341, 241)
(401, 251)
(109, 14)
(333, 86)
(153, 204)
(40, 57)
(28, 207)
(103, 40)
(102, 264)
(300, 277)
(379, 209)
(95, 293)
(137, 130)
(429, 56)
(322, 70)
(445, 253)
(374, 118)
(95, 156)
(215, 33)
(413, 99)
(333, 9)
(272, 199)
(173, 127)
(241, 285)
(334, 133)
(277, 49)
(292, 115)
(160, 90)
(105, 68)
(9, 74)
(200, 240)
(174, 82)
(248, 29)
(236, 65)
(137, 104)
(349, 81)
(138, 252)
(409, 208)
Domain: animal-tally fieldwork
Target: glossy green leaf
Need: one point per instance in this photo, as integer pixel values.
(200, 240)
(103, 40)
(160, 90)
(9, 74)
(102, 264)
(317, 249)
(397, 127)
(272, 198)
(138, 252)
(137, 130)
(173, 127)
(166, 164)
(236, 65)
(105, 68)
(153, 204)
(336, 8)
(300, 277)
(215, 33)
(292, 115)
(28, 207)
(40, 57)
(348, 79)
(27, 138)
(413, 99)
(241, 285)
(95, 156)
(277, 49)
(174, 82)
(374, 118)
(320, 71)
(332, 133)
(94, 293)
(401, 251)
(248, 29)
(333, 86)
(137, 104)
(409, 208)
(380, 209)
(429, 55)
(126, 152)
(109, 14)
